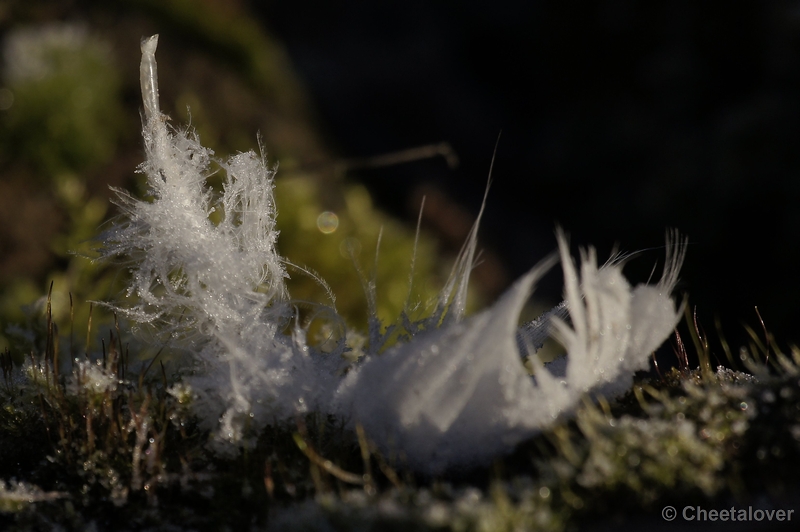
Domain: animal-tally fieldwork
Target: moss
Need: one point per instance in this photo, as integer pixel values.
(127, 454)
(349, 243)
(66, 112)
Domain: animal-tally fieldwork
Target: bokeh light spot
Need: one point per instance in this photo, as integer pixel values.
(327, 222)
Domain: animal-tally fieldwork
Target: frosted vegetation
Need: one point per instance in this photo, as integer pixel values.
(428, 422)
(450, 391)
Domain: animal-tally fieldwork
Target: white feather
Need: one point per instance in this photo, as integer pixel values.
(456, 393)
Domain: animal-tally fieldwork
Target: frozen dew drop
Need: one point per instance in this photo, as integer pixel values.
(743, 355)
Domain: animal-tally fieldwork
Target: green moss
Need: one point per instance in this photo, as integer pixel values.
(66, 112)
(335, 244)
(94, 442)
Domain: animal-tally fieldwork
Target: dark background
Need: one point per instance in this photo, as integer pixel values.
(619, 119)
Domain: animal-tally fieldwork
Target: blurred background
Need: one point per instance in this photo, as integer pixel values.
(619, 120)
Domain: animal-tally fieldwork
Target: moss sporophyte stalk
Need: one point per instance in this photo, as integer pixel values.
(249, 413)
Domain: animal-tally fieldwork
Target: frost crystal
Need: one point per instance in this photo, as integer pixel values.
(90, 378)
(217, 288)
(455, 393)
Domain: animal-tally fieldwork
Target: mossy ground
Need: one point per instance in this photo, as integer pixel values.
(100, 444)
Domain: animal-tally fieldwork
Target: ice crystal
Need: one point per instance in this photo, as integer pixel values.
(90, 378)
(452, 391)
(218, 288)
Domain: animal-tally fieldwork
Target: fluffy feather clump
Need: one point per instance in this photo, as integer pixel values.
(215, 289)
(454, 392)
(460, 394)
